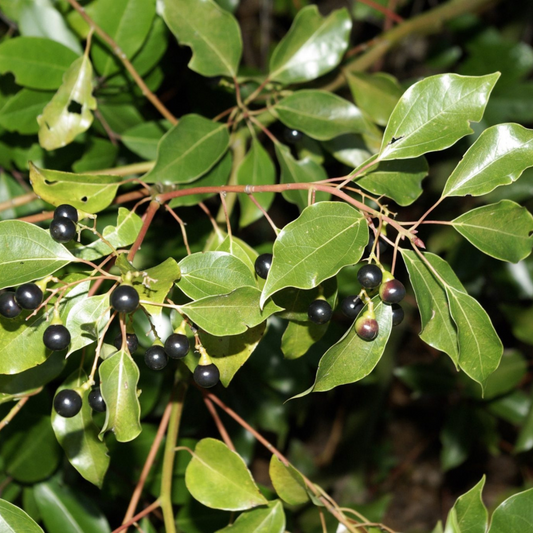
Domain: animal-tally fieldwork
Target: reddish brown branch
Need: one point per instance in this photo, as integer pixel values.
(220, 426)
(137, 517)
(147, 220)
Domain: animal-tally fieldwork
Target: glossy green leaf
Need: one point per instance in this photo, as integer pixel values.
(78, 435)
(189, 150)
(313, 46)
(435, 113)
(28, 253)
(300, 336)
(213, 273)
(498, 157)
(256, 168)
(514, 514)
(144, 138)
(288, 482)
(153, 48)
(58, 126)
(349, 149)
(21, 110)
(237, 247)
(10, 188)
(375, 94)
(326, 237)
(15, 520)
(218, 478)
(84, 191)
(36, 62)
(67, 510)
(468, 514)
(230, 314)
(99, 153)
(269, 520)
(501, 230)
(212, 33)
(320, 114)
(119, 376)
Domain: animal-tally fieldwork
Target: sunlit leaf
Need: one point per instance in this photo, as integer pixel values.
(469, 514)
(159, 281)
(262, 520)
(514, 514)
(13, 519)
(288, 482)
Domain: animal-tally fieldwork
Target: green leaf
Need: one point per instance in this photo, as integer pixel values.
(189, 150)
(349, 149)
(375, 94)
(153, 48)
(313, 46)
(78, 435)
(524, 441)
(468, 514)
(269, 520)
(256, 168)
(218, 478)
(294, 171)
(213, 34)
(501, 230)
(288, 482)
(84, 191)
(514, 514)
(144, 138)
(63, 509)
(230, 314)
(119, 376)
(320, 114)
(21, 110)
(35, 62)
(99, 154)
(237, 247)
(58, 125)
(507, 377)
(28, 253)
(10, 188)
(435, 113)
(15, 520)
(498, 157)
(326, 237)
(400, 180)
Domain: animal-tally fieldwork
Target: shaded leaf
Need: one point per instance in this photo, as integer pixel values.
(269, 520)
(288, 482)
(98, 154)
(15, 520)
(143, 139)
(21, 110)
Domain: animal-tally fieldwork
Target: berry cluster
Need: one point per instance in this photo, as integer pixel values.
(63, 226)
(68, 402)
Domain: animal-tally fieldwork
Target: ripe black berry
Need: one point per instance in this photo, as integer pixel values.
(319, 312)
(397, 314)
(177, 346)
(62, 229)
(392, 291)
(156, 358)
(206, 376)
(124, 299)
(367, 328)
(66, 211)
(369, 276)
(263, 264)
(29, 296)
(96, 401)
(56, 337)
(292, 136)
(9, 308)
(351, 306)
(67, 403)
(131, 340)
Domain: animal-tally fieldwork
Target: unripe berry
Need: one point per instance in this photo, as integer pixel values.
(392, 291)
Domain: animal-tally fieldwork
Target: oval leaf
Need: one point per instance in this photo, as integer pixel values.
(288, 482)
(469, 514)
(269, 520)
(14, 520)
(20, 111)
(514, 514)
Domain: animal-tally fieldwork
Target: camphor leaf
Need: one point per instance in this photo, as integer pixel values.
(269, 520)
(21, 110)
(435, 113)
(119, 376)
(13, 519)
(218, 478)
(189, 150)
(144, 138)
(501, 230)
(313, 46)
(320, 114)
(468, 514)
(230, 314)
(514, 514)
(89, 193)
(78, 435)
(99, 153)
(288, 482)
(498, 157)
(213, 34)
(59, 125)
(326, 237)
(237, 247)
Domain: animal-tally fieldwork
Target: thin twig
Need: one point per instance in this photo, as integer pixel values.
(182, 226)
(382, 9)
(204, 208)
(220, 426)
(138, 516)
(148, 217)
(16, 408)
(265, 214)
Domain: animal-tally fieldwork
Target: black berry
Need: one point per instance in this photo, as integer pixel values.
(67, 403)
(66, 211)
(124, 299)
(367, 328)
(177, 346)
(397, 314)
(131, 340)
(369, 276)
(263, 264)
(206, 376)
(351, 306)
(96, 401)
(62, 229)
(56, 337)
(292, 136)
(156, 358)
(392, 291)
(9, 308)
(319, 312)
(29, 296)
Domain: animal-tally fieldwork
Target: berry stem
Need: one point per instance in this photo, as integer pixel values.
(182, 226)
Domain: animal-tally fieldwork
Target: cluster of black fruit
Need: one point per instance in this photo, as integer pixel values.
(63, 226)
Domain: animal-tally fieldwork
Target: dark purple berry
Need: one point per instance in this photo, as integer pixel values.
(29, 296)
(397, 314)
(131, 340)
(177, 346)
(9, 308)
(56, 337)
(319, 312)
(62, 229)
(367, 328)
(392, 291)
(66, 211)
(351, 306)
(124, 299)
(369, 276)
(156, 358)
(263, 264)
(67, 403)
(292, 136)
(96, 400)
(206, 376)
